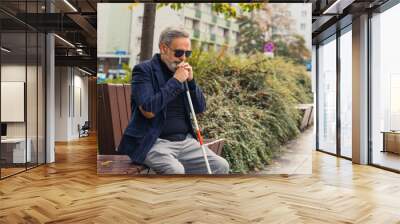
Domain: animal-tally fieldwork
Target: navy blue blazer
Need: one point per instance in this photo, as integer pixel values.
(151, 91)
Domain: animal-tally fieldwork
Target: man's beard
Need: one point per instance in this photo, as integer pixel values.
(172, 66)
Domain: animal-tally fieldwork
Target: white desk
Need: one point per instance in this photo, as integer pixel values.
(17, 145)
(391, 141)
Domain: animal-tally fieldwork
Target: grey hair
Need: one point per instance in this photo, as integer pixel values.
(171, 33)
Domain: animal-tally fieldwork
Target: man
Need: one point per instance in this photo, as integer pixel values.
(160, 134)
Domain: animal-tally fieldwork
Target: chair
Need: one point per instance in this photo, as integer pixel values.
(84, 130)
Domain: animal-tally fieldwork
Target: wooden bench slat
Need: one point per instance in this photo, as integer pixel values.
(121, 164)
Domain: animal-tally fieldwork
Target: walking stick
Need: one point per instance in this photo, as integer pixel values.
(199, 137)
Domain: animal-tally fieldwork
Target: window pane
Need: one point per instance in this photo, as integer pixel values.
(327, 97)
(386, 89)
(346, 93)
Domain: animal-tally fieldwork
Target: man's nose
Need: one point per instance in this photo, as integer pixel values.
(182, 58)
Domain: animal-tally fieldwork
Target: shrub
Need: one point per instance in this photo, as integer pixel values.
(250, 103)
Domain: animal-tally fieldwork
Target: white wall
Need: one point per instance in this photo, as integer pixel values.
(61, 103)
(71, 102)
(114, 28)
(14, 73)
(80, 109)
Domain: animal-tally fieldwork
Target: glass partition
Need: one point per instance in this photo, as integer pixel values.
(346, 93)
(327, 96)
(22, 77)
(385, 89)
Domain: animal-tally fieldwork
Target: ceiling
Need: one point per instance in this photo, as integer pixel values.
(331, 15)
(77, 25)
(76, 22)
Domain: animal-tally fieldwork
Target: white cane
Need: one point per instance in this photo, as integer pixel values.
(199, 137)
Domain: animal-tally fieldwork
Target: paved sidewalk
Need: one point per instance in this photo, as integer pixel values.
(296, 157)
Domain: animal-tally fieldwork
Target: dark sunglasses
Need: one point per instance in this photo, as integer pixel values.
(180, 53)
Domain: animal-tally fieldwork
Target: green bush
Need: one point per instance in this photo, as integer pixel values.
(250, 103)
(126, 79)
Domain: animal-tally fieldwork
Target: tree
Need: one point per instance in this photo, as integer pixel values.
(251, 36)
(149, 18)
(146, 47)
(294, 49)
(273, 23)
(299, 49)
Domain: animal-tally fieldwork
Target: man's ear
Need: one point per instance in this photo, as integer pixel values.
(162, 48)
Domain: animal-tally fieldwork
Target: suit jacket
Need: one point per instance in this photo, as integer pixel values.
(151, 91)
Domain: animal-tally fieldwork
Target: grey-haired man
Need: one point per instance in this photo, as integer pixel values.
(160, 134)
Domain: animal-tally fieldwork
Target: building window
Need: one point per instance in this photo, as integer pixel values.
(303, 26)
(188, 23)
(211, 29)
(220, 31)
(226, 33)
(196, 25)
(206, 7)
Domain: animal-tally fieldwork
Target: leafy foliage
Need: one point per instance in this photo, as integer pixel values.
(227, 9)
(250, 103)
(251, 36)
(126, 79)
(294, 49)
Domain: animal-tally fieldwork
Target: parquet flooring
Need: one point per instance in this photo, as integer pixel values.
(70, 191)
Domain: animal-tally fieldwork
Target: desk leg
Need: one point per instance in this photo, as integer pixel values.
(384, 142)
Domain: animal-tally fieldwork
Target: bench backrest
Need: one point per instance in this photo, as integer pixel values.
(114, 113)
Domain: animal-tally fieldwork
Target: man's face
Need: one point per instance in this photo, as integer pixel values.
(169, 53)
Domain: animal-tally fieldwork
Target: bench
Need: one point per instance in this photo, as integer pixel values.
(307, 115)
(121, 164)
(114, 113)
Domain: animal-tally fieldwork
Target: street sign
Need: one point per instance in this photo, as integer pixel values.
(269, 47)
(120, 52)
(309, 66)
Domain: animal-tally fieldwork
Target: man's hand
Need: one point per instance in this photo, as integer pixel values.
(189, 69)
(181, 73)
(148, 115)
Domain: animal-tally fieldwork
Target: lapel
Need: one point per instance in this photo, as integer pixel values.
(158, 76)
(156, 69)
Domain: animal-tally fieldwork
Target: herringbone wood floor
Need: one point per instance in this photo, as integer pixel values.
(70, 191)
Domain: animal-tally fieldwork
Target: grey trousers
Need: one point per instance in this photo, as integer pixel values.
(183, 157)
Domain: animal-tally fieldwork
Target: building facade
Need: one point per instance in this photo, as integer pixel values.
(208, 31)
